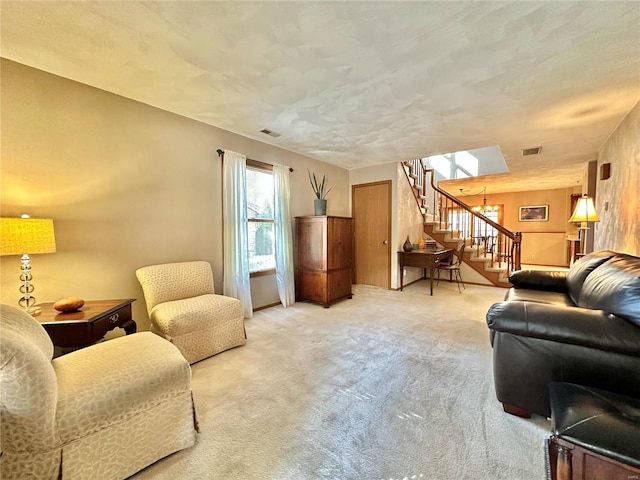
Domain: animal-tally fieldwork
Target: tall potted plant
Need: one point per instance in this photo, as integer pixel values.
(320, 203)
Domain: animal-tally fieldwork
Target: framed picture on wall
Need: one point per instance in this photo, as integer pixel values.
(534, 213)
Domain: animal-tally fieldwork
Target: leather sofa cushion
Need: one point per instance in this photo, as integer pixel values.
(599, 421)
(614, 287)
(574, 326)
(581, 269)
(553, 281)
(540, 296)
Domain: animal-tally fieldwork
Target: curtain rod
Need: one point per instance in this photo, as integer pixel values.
(221, 153)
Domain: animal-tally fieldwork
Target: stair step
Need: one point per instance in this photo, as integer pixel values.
(495, 269)
(485, 260)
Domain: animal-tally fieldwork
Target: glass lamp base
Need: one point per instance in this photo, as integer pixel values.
(27, 301)
(33, 311)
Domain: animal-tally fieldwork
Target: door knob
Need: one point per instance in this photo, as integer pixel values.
(384, 242)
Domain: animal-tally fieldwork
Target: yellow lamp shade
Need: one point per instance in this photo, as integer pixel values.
(584, 211)
(26, 235)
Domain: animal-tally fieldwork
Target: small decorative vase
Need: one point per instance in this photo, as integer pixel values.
(421, 243)
(407, 247)
(320, 206)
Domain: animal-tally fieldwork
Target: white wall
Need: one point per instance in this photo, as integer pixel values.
(126, 184)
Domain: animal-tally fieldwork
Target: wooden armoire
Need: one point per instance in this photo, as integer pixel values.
(323, 258)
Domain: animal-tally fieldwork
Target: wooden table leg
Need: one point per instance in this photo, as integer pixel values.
(401, 276)
(129, 327)
(431, 271)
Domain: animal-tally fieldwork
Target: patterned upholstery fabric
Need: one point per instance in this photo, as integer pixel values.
(174, 281)
(28, 394)
(183, 309)
(105, 411)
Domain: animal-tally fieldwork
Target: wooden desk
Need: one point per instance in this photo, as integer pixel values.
(427, 259)
(73, 330)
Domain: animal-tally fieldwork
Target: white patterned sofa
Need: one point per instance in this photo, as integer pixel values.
(184, 309)
(103, 412)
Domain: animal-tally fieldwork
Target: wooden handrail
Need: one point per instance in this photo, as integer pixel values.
(497, 226)
(409, 180)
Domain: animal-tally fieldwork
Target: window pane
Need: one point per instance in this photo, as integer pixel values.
(479, 226)
(259, 194)
(261, 246)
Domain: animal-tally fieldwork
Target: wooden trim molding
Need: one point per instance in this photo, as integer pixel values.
(262, 273)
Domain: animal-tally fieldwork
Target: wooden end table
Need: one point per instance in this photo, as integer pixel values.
(74, 330)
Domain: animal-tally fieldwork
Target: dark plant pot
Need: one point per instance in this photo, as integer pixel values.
(320, 206)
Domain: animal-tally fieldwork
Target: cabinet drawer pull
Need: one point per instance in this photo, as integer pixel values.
(114, 318)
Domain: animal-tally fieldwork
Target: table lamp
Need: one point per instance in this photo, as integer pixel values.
(26, 236)
(583, 213)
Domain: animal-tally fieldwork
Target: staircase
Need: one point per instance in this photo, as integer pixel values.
(490, 249)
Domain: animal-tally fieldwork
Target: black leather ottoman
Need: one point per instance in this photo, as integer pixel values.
(596, 434)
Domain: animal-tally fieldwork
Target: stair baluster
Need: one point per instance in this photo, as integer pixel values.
(448, 216)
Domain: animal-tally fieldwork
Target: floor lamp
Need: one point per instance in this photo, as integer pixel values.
(25, 236)
(583, 213)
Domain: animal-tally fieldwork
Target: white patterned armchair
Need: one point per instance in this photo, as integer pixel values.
(184, 309)
(103, 412)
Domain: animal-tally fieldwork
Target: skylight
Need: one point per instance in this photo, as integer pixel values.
(468, 163)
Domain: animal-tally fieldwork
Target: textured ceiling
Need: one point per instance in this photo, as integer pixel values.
(360, 83)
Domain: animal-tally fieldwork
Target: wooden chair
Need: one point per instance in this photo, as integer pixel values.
(453, 268)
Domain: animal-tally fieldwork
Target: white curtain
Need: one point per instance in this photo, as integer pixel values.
(235, 226)
(283, 234)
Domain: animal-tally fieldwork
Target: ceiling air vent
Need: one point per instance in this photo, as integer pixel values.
(531, 151)
(271, 133)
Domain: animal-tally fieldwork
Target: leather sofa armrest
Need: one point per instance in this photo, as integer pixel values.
(570, 325)
(555, 281)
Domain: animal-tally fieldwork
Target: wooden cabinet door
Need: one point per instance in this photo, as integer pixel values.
(339, 243)
(311, 243)
(339, 283)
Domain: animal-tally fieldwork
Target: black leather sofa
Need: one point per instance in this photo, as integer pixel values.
(580, 326)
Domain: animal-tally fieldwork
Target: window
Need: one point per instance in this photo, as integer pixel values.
(260, 216)
(481, 228)
(481, 233)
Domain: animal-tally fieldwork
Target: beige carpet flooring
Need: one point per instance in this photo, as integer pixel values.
(388, 385)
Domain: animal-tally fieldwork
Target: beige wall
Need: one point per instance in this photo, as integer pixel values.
(617, 199)
(409, 223)
(126, 184)
(543, 243)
